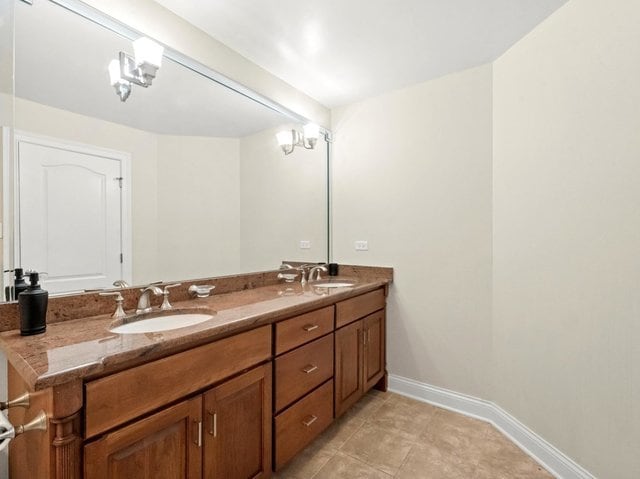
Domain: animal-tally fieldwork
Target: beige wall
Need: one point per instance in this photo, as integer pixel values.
(283, 200)
(567, 233)
(198, 184)
(149, 17)
(412, 175)
(517, 270)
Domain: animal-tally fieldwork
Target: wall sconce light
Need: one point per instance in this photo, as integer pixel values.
(288, 140)
(139, 70)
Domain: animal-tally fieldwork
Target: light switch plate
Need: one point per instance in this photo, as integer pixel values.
(362, 245)
(305, 244)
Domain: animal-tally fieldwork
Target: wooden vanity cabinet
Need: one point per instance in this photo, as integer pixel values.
(224, 433)
(303, 376)
(373, 365)
(237, 427)
(165, 445)
(360, 361)
(349, 386)
(221, 433)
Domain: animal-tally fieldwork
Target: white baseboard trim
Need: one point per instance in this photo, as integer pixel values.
(544, 453)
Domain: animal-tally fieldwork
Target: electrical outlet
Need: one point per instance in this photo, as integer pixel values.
(362, 245)
(305, 244)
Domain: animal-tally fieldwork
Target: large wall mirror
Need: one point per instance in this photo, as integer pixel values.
(183, 180)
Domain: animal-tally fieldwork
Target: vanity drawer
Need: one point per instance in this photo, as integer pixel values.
(355, 308)
(302, 329)
(302, 369)
(123, 396)
(301, 423)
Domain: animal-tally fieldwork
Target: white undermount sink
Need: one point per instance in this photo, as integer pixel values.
(333, 284)
(165, 322)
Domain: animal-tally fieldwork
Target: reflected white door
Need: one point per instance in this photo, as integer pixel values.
(69, 215)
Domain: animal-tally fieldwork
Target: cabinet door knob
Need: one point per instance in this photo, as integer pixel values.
(309, 369)
(308, 421)
(20, 401)
(310, 327)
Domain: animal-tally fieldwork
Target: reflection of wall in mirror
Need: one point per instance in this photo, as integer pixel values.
(283, 201)
(204, 206)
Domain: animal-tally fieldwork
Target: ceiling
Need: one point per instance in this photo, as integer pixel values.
(340, 51)
(69, 71)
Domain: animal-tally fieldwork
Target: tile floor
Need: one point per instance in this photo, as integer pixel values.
(387, 436)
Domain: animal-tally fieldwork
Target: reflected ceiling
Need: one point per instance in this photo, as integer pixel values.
(198, 106)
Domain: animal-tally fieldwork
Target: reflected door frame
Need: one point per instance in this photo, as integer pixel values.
(11, 200)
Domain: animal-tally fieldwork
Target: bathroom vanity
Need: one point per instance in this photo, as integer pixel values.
(232, 397)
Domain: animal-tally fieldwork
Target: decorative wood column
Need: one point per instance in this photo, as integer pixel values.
(67, 444)
(57, 452)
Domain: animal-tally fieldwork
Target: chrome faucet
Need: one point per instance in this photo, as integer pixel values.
(316, 271)
(144, 306)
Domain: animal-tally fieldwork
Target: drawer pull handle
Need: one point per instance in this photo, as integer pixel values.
(309, 420)
(310, 327)
(309, 369)
(213, 423)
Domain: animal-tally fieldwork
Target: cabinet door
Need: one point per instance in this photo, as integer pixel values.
(237, 443)
(374, 358)
(166, 445)
(349, 385)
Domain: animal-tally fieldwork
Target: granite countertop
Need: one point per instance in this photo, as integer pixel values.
(84, 348)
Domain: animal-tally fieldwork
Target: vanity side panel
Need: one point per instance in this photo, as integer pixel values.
(123, 396)
(30, 455)
(56, 452)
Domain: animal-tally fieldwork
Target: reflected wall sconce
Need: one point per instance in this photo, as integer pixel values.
(139, 69)
(289, 139)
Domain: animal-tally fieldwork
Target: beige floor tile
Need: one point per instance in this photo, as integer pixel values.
(339, 432)
(384, 395)
(388, 435)
(430, 462)
(410, 420)
(525, 469)
(407, 401)
(504, 459)
(381, 448)
(367, 406)
(342, 466)
(306, 463)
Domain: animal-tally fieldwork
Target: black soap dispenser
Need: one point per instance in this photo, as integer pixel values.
(33, 307)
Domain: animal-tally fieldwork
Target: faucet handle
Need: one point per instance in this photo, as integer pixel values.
(119, 313)
(166, 288)
(165, 301)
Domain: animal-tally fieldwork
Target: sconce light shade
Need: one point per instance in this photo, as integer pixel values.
(140, 69)
(285, 138)
(146, 50)
(311, 131)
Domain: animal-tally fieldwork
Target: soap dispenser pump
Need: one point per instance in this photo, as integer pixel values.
(19, 284)
(32, 304)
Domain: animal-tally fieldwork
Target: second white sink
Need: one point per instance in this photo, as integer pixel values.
(165, 322)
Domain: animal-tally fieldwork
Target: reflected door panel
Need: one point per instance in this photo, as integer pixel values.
(69, 216)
